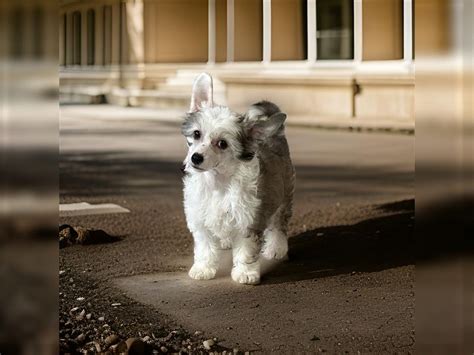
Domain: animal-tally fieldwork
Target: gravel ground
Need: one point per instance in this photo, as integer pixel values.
(356, 189)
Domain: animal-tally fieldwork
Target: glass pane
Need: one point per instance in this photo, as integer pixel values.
(335, 29)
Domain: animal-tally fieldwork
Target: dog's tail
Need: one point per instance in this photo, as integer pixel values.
(266, 113)
(261, 110)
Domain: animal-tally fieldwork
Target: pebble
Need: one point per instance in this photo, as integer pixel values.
(80, 299)
(111, 339)
(97, 347)
(146, 339)
(101, 319)
(135, 346)
(197, 332)
(88, 316)
(119, 348)
(80, 338)
(116, 304)
(208, 344)
(164, 349)
(81, 315)
(236, 351)
(62, 272)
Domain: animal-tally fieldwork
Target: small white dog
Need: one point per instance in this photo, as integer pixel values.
(238, 184)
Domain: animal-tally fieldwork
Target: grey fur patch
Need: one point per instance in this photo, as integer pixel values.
(187, 127)
(258, 114)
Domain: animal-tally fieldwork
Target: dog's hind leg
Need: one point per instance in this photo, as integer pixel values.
(275, 236)
(246, 266)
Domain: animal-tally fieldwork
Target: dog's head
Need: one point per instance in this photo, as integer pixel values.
(218, 138)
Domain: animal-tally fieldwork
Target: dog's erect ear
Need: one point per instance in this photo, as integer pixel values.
(262, 129)
(202, 93)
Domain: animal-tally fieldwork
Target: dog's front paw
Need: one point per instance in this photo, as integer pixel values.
(244, 276)
(202, 272)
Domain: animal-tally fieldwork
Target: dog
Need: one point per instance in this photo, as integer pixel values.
(238, 184)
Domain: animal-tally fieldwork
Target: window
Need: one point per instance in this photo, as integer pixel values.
(335, 29)
(76, 35)
(90, 37)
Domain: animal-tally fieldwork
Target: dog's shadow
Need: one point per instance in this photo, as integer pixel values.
(370, 245)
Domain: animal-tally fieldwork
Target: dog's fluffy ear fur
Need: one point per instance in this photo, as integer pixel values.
(202, 93)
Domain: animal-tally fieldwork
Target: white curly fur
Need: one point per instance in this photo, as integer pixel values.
(221, 196)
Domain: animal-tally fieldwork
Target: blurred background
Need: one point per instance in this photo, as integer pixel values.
(325, 62)
(349, 64)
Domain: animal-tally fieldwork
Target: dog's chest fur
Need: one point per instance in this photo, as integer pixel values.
(224, 207)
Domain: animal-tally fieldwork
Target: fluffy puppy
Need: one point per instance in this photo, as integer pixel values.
(238, 184)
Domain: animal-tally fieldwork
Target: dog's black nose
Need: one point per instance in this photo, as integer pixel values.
(197, 158)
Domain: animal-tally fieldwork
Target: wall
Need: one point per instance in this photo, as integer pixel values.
(176, 31)
(288, 29)
(248, 30)
(382, 26)
(432, 27)
(221, 30)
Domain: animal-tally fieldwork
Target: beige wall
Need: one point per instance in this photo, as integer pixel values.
(248, 30)
(432, 27)
(176, 31)
(221, 30)
(382, 26)
(288, 29)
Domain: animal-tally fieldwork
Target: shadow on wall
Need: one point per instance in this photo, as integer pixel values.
(371, 245)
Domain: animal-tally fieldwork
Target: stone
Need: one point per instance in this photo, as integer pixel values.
(208, 344)
(81, 338)
(135, 346)
(119, 348)
(93, 236)
(111, 339)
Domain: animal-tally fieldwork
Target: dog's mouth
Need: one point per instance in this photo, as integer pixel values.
(198, 168)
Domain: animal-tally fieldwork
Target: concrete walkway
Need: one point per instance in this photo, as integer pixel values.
(111, 112)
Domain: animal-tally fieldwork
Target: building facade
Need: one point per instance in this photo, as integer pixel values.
(318, 59)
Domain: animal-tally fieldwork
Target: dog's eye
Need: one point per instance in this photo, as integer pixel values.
(196, 134)
(222, 144)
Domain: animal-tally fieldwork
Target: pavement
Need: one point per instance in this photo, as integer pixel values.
(348, 284)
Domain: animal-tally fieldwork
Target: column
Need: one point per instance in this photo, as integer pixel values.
(230, 30)
(84, 37)
(407, 30)
(267, 31)
(211, 20)
(311, 30)
(135, 31)
(99, 36)
(358, 30)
